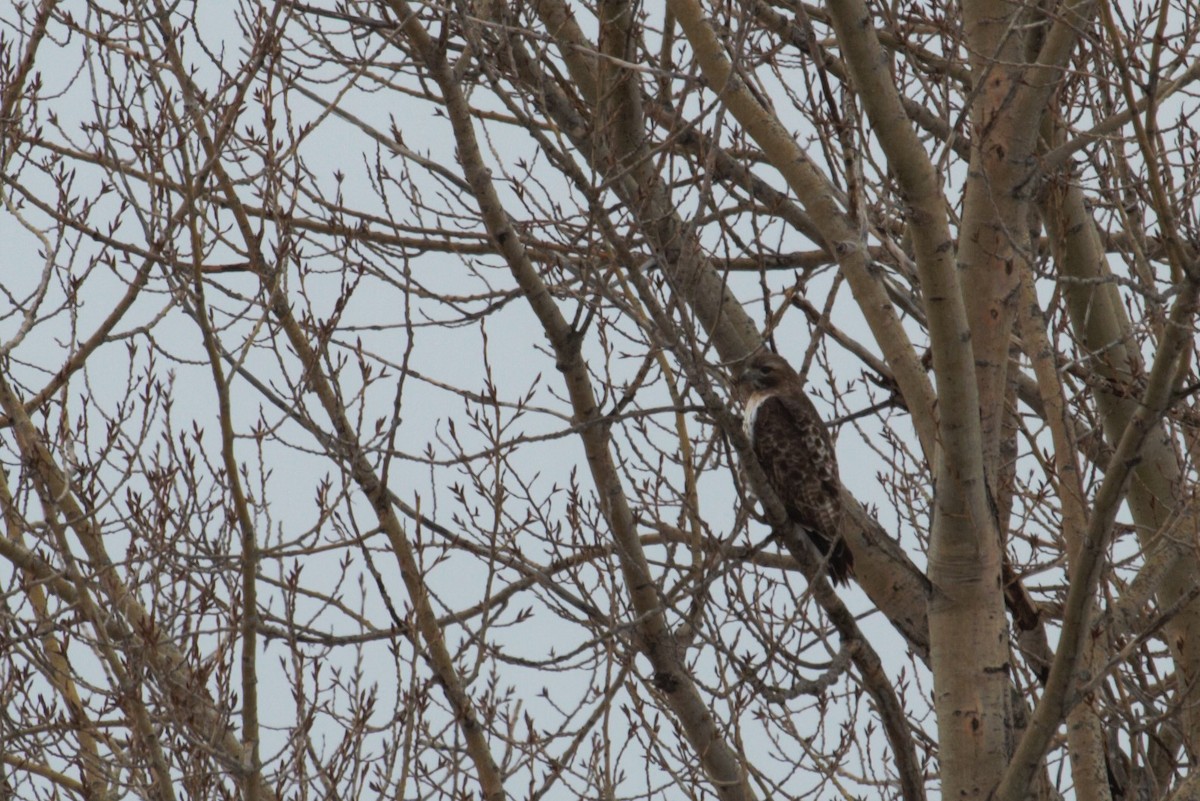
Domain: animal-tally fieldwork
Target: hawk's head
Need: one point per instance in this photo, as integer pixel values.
(763, 372)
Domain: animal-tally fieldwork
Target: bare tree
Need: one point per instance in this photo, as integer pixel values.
(367, 426)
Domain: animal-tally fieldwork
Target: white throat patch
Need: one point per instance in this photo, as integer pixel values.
(752, 405)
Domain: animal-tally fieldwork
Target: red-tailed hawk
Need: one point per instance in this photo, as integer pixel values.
(796, 453)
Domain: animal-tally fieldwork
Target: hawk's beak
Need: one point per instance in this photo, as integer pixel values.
(743, 382)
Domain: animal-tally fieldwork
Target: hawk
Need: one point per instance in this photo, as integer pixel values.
(796, 453)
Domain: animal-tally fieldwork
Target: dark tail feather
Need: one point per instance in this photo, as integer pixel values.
(841, 563)
(837, 556)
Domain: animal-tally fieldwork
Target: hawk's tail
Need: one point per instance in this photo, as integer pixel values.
(837, 556)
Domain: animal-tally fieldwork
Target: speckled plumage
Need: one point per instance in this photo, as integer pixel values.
(795, 451)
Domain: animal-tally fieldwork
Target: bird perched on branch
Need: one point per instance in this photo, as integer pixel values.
(795, 451)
